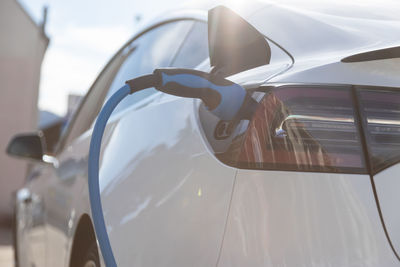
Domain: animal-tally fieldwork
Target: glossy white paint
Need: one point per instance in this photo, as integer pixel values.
(323, 30)
(387, 184)
(374, 73)
(320, 35)
(31, 219)
(304, 219)
(22, 216)
(49, 208)
(67, 200)
(167, 199)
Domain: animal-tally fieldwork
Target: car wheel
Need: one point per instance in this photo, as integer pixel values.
(91, 258)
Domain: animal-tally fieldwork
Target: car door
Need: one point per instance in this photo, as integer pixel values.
(30, 223)
(67, 194)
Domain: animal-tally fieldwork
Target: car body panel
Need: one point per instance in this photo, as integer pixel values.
(25, 235)
(374, 73)
(387, 185)
(31, 219)
(167, 199)
(70, 182)
(280, 218)
(168, 195)
(66, 202)
(323, 30)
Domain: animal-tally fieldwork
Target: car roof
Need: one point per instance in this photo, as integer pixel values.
(315, 27)
(330, 30)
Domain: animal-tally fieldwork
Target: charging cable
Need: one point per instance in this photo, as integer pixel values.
(222, 97)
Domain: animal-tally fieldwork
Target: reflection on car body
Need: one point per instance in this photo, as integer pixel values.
(310, 179)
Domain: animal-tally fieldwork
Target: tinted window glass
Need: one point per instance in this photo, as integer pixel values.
(90, 106)
(195, 48)
(381, 116)
(154, 49)
(302, 129)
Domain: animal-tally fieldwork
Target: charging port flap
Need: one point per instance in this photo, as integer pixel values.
(234, 44)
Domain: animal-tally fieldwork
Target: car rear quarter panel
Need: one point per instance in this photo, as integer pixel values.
(288, 219)
(165, 196)
(387, 185)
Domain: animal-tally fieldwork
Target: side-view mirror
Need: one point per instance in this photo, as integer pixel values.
(27, 146)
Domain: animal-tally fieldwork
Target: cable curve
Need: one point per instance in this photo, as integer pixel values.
(93, 174)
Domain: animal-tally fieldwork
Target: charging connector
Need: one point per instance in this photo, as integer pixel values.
(221, 96)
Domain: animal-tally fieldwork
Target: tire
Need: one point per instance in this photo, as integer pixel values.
(91, 258)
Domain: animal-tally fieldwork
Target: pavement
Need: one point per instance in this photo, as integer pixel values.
(6, 250)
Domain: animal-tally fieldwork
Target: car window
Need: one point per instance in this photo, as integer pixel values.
(155, 48)
(195, 48)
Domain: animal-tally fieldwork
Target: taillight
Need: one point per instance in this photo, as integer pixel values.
(304, 128)
(317, 128)
(380, 109)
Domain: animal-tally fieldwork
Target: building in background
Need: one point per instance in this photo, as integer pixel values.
(23, 44)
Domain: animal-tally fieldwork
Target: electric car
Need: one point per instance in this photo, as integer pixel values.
(310, 177)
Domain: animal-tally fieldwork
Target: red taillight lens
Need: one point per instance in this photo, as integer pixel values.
(380, 109)
(304, 128)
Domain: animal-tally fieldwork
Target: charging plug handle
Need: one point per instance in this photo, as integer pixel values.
(177, 82)
(221, 96)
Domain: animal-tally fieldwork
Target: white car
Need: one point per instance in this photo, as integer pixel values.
(311, 179)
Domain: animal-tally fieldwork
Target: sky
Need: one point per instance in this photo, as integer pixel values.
(84, 35)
